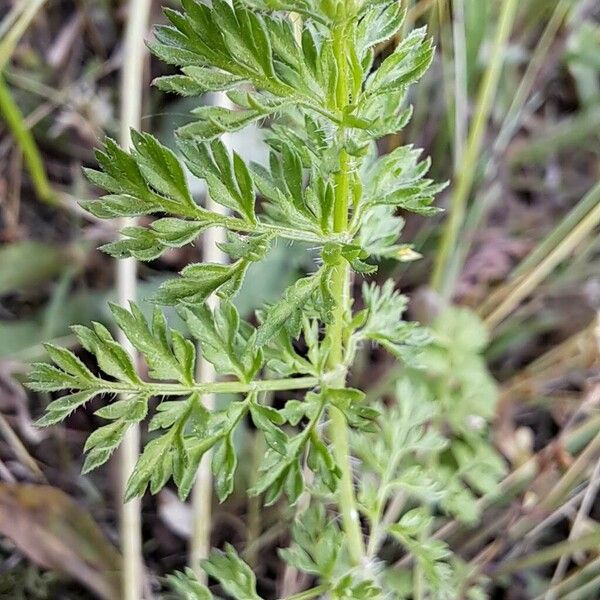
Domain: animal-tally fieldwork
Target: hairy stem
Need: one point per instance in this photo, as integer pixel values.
(308, 594)
(338, 428)
(218, 387)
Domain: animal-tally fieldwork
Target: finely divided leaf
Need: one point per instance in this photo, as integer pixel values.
(187, 586)
(222, 341)
(167, 353)
(228, 180)
(149, 180)
(234, 575)
(293, 300)
(148, 243)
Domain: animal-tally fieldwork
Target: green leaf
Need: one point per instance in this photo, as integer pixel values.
(117, 205)
(380, 230)
(215, 121)
(161, 168)
(69, 363)
(322, 462)
(196, 81)
(293, 300)
(384, 325)
(149, 180)
(281, 473)
(224, 464)
(429, 553)
(350, 587)
(410, 59)
(228, 180)
(47, 378)
(283, 187)
(234, 575)
(154, 463)
(461, 329)
(130, 410)
(317, 542)
(195, 451)
(221, 339)
(111, 357)
(350, 402)
(60, 409)
(250, 248)
(102, 443)
(397, 179)
(198, 281)
(379, 23)
(167, 353)
(148, 243)
(268, 421)
(187, 586)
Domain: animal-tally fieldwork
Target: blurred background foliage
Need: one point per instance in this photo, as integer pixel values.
(516, 132)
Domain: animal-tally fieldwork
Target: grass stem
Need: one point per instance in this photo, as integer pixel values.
(131, 107)
(526, 283)
(35, 165)
(202, 492)
(467, 172)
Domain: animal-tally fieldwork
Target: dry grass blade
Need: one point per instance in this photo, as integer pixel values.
(467, 172)
(131, 107)
(548, 555)
(56, 533)
(505, 300)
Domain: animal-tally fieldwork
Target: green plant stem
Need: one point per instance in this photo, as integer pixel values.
(15, 121)
(340, 285)
(217, 387)
(468, 170)
(308, 594)
(235, 224)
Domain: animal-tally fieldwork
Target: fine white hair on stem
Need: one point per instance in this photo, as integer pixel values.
(132, 75)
